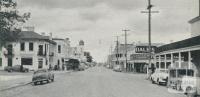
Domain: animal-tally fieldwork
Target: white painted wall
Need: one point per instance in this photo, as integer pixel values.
(195, 29)
(18, 54)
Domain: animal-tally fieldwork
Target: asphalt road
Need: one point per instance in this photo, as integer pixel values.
(94, 82)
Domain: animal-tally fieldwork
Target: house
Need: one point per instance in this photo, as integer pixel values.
(31, 50)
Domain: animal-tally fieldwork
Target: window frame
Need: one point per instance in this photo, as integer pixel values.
(22, 46)
(30, 46)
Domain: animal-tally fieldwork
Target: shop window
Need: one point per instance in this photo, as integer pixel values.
(30, 46)
(26, 61)
(22, 46)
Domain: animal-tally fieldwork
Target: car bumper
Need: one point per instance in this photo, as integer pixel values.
(163, 80)
(39, 80)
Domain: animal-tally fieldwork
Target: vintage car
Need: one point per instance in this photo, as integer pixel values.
(117, 68)
(189, 85)
(42, 75)
(160, 77)
(16, 68)
(184, 80)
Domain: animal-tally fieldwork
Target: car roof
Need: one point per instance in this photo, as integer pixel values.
(41, 70)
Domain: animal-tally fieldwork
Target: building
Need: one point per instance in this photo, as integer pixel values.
(184, 51)
(140, 56)
(78, 52)
(31, 50)
(137, 56)
(61, 53)
(118, 55)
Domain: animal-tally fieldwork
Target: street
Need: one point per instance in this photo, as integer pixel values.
(93, 82)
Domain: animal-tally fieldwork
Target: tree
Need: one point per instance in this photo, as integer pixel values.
(10, 21)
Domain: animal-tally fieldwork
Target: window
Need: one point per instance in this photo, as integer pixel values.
(30, 46)
(59, 48)
(26, 61)
(40, 52)
(162, 65)
(22, 46)
(0, 62)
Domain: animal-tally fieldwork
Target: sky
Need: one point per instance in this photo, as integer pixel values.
(98, 22)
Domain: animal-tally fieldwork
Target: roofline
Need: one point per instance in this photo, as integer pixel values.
(50, 41)
(193, 41)
(57, 39)
(194, 20)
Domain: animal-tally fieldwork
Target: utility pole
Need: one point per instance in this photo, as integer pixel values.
(149, 30)
(125, 45)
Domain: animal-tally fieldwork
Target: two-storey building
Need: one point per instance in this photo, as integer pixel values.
(30, 50)
(61, 53)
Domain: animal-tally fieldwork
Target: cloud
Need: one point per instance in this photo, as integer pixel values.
(68, 4)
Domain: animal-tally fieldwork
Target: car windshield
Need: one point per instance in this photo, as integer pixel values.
(181, 72)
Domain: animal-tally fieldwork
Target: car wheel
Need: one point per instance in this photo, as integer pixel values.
(158, 82)
(52, 79)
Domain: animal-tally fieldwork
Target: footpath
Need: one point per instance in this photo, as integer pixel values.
(16, 79)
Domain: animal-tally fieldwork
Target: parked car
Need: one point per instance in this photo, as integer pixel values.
(117, 68)
(42, 75)
(16, 68)
(189, 85)
(160, 77)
